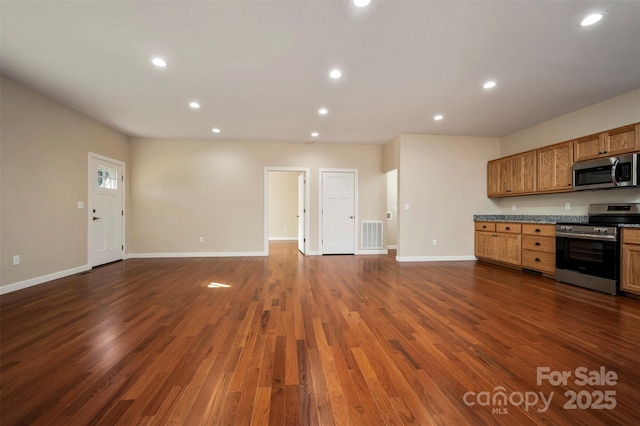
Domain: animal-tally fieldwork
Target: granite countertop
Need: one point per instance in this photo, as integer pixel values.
(543, 219)
(547, 219)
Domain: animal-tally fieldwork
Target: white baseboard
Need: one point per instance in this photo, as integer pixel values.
(196, 254)
(361, 252)
(392, 247)
(283, 238)
(43, 279)
(433, 258)
(314, 253)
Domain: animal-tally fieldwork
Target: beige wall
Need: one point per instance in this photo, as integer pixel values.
(283, 205)
(391, 153)
(443, 179)
(615, 112)
(45, 148)
(183, 189)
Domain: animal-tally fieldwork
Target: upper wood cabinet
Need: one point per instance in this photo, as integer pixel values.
(550, 168)
(617, 141)
(493, 178)
(555, 163)
(514, 175)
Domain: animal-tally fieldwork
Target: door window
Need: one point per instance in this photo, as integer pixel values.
(107, 177)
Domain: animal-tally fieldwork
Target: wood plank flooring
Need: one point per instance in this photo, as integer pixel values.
(296, 340)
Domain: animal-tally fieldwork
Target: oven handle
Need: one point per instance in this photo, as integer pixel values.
(596, 237)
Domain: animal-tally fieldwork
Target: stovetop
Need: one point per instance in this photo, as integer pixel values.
(610, 215)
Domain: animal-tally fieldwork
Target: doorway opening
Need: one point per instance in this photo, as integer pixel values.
(286, 210)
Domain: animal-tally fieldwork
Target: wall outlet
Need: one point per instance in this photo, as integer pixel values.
(16, 260)
(285, 229)
(202, 239)
(567, 206)
(513, 207)
(435, 242)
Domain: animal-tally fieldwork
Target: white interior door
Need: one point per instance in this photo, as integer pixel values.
(301, 236)
(338, 213)
(106, 211)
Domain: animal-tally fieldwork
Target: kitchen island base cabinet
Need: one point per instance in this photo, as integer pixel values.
(630, 263)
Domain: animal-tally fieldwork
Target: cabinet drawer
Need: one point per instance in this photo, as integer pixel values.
(535, 243)
(630, 236)
(485, 226)
(511, 228)
(539, 261)
(533, 229)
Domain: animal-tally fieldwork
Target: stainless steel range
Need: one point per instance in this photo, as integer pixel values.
(588, 255)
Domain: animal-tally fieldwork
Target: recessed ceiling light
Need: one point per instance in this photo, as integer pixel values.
(159, 62)
(194, 105)
(591, 19)
(323, 111)
(315, 134)
(489, 85)
(361, 3)
(438, 117)
(335, 74)
(215, 130)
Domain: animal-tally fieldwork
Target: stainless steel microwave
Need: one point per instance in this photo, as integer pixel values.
(613, 172)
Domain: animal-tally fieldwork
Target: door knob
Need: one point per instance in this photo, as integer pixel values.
(96, 218)
(352, 217)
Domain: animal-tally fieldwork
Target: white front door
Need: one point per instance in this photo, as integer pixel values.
(301, 236)
(106, 210)
(338, 213)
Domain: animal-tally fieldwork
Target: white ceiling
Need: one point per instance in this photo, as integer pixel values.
(260, 68)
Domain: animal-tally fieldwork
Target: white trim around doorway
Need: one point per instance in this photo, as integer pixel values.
(90, 181)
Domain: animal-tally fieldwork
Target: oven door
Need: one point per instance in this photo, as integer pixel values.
(594, 255)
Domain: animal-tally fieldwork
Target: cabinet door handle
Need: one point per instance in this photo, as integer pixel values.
(537, 259)
(537, 244)
(484, 226)
(538, 230)
(508, 228)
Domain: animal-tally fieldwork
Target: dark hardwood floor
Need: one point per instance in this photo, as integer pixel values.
(315, 340)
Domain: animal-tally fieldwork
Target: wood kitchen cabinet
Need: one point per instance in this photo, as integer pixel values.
(555, 168)
(550, 168)
(514, 175)
(499, 242)
(613, 142)
(539, 248)
(630, 262)
(531, 246)
(493, 178)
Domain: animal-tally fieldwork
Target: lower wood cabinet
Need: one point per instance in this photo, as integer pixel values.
(530, 246)
(539, 248)
(630, 263)
(500, 242)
